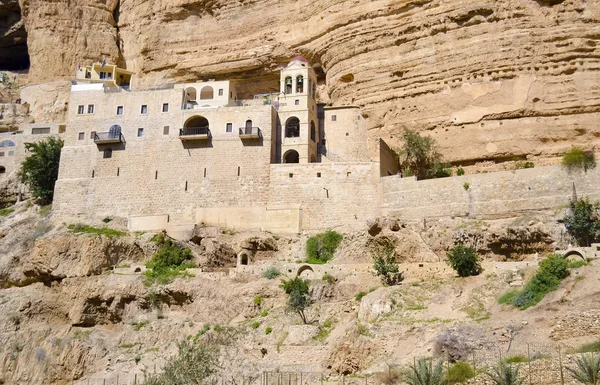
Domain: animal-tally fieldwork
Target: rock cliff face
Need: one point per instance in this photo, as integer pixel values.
(489, 80)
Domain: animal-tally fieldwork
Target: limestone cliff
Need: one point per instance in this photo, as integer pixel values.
(490, 80)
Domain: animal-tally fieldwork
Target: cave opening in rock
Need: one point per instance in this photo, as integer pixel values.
(14, 55)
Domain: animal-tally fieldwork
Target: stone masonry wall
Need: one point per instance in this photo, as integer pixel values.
(490, 194)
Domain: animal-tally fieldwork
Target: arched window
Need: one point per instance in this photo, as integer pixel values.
(288, 85)
(7, 143)
(291, 157)
(313, 132)
(248, 128)
(292, 128)
(190, 95)
(299, 84)
(114, 131)
(206, 93)
(196, 122)
(2, 169)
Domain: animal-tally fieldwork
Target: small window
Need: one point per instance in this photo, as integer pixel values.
(166, 130)
(291, 175)
(40, 130)
(144, 110)
(80, 110)
(165, 107)
(220, 92)
(297, 102)
(81, 135)
(62, 128)
(90, 108)
(92, 134)
(119, 110)
(1, 154)
(229, 127)
(140, 132)
(333, 118)
(107, 153)
(318, 175)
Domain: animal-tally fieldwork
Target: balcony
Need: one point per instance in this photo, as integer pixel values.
(194, 133)
(249, 133)
(108, 137)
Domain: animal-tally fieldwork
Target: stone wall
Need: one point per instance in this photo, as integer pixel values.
(334, 195)
(485, 195)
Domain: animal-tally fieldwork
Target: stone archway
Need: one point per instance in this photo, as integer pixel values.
(243, 258)
(291, 156)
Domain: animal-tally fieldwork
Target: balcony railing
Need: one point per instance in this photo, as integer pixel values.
(249, 132)
(108, 137)
(194, 133)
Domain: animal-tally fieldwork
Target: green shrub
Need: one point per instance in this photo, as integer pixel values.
(81, 228)
(576, 160)
(330, 279)
(420, 157)
(589, 348)
(576, 264)
(299, 299)
(258, 300)
(217, 328)
(264, 313)
(268, 330)
(515, 359)
(255, 325)
(508, 297)
(464, 261)
(466, 186)
(423, 372)
(586, 369)
(551, 272)
(441, 170)
(321, 247)
(324, 330)
(460, 171)
(528, 165)
(5, 212)
(138, 326)
(583, 222)
(271, 273)
(106, 219)
(359, 296)
(386, 267)
(39, 171)
(460, 372)
(168, 263)
(504, 374)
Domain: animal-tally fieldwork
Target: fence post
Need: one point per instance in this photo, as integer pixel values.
(529, 363)
(562, 376)
(135, 379)
(474, 362)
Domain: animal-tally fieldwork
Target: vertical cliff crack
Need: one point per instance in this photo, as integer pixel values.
(116, 13)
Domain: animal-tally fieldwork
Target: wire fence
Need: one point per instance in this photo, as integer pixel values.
(539, 364)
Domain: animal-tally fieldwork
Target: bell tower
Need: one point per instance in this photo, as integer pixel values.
(298, 113)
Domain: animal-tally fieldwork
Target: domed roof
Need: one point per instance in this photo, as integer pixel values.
(299, 58)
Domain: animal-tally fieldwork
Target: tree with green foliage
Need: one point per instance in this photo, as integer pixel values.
(460, 372)
(578, 160)
(505, 374)
(583, 222)
(299, 299)
(195, 362)
(39, 170)
(464, 260)
(419, 157)
(387, 268)
(586, 369)
(424, 372)
(321, 247)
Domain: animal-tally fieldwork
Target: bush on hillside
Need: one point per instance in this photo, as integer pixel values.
(168, 263)
(321, 247)
(551, 272)
(460, 372)
(39, 170)
(386, 267)
(578, 160)
(464, 261)
(424, 372)
(503, 374)
(583, 222)
(299, 299)
(271, 273)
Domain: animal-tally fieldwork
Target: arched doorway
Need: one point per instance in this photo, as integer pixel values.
(248, 127)
(196, 125)
(291, 156)
(206, 93)
(292, 127)
(190, 95)
(2, 169)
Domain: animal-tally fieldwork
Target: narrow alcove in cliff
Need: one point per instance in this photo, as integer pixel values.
(14, 55)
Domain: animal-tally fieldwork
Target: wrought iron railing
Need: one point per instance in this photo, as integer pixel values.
(192, 131)
(249, 131)
(108, 137)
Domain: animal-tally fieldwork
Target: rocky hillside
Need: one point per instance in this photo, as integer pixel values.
(74, 306)
(491, 80)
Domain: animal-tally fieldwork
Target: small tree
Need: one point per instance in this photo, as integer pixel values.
(419, 156)
(464, 260)
(386, 267)
(576, 160)
(39, 171)
(195, 362)
(587, 369)
(504, 374)
(583, 221)
(425, 373)
(299, 300)
(321, 247)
